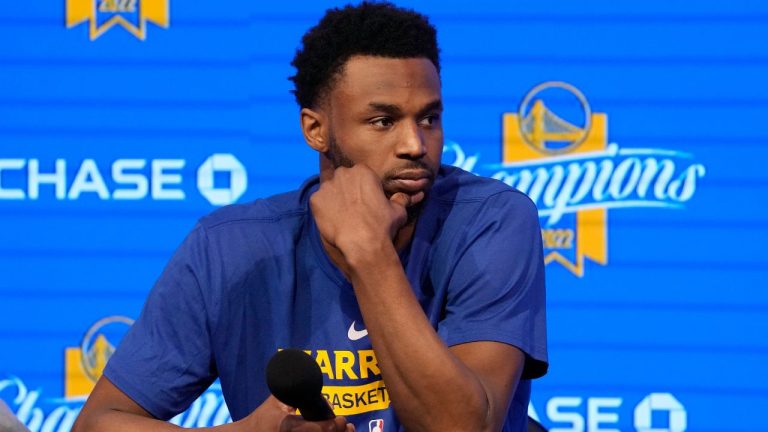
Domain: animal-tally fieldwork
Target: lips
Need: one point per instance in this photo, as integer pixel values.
(410, 182)
(409, 186)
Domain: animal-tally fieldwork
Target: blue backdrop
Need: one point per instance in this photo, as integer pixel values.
(123, 121)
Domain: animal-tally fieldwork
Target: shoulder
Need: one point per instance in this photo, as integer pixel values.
(282, 209)
(465, 210)
(243, 232)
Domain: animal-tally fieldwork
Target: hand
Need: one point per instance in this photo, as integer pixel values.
(354, 215)
(274, 416)
(268, 417)
(294, 423)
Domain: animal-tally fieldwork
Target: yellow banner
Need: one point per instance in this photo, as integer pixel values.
(588, 238)
(154, 11)
(348, 400)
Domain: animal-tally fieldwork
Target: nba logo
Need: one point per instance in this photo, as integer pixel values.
(376, 425)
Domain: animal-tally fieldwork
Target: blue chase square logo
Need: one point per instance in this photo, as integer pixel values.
(132, 15)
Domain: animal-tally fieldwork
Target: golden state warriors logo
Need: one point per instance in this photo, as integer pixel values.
(85, 364)
(537, 133)
(132, 15)
(545, 131)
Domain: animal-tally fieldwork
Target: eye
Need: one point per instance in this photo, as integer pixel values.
(430, 120)
(382, 122)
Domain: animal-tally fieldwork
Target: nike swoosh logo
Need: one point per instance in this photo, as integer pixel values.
(354, 334)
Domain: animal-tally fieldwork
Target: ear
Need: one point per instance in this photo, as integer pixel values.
(314, 126)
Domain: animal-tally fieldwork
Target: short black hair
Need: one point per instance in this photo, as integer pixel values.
(378, 29)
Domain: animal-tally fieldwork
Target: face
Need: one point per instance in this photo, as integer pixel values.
(386, 113)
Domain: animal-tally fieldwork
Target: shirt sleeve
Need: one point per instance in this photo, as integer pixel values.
(496, 290)
(165, 360)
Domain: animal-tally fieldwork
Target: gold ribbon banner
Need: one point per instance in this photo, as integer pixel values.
(154, 11)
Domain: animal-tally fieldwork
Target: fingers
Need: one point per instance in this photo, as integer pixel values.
(399, 202)
(342, 426)
(283, 407)
(407, 200)
(293, 423)
(400, 198)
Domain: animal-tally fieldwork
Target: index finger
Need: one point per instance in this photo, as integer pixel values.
(294, 423)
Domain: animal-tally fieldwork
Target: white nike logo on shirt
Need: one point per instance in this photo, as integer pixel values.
(354, 335)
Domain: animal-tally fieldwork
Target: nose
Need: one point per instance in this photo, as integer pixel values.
(411, 143)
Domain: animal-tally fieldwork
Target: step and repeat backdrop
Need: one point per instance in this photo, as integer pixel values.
(638, 128)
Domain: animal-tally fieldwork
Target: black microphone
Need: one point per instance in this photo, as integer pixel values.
(295, 379)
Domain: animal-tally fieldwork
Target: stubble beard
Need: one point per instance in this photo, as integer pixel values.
(338, 158)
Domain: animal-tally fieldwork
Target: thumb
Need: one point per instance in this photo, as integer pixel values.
(403, 199)
(342, 425)
(399, 202)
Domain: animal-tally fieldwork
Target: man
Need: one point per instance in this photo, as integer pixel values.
(418, 288)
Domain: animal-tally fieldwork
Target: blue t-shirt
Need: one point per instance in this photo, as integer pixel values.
(252, 279)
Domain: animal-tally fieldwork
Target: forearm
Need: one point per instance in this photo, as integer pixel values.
(110, 420)
(430, 388)
(108, 409)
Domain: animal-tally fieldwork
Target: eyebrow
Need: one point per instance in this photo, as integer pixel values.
(435, 105)
(394, 110)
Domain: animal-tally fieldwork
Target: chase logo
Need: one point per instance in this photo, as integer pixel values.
(665, 405)
(656, 412)
(85, 364)
(221, 179)
(132, 15)
(223, 165)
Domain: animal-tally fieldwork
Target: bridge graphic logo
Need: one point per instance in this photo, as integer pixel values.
(544, 130)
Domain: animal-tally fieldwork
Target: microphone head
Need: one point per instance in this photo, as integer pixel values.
(294, 378)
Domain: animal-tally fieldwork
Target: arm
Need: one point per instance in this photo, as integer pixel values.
(110, 410)
(465, 387)
(166, 360)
